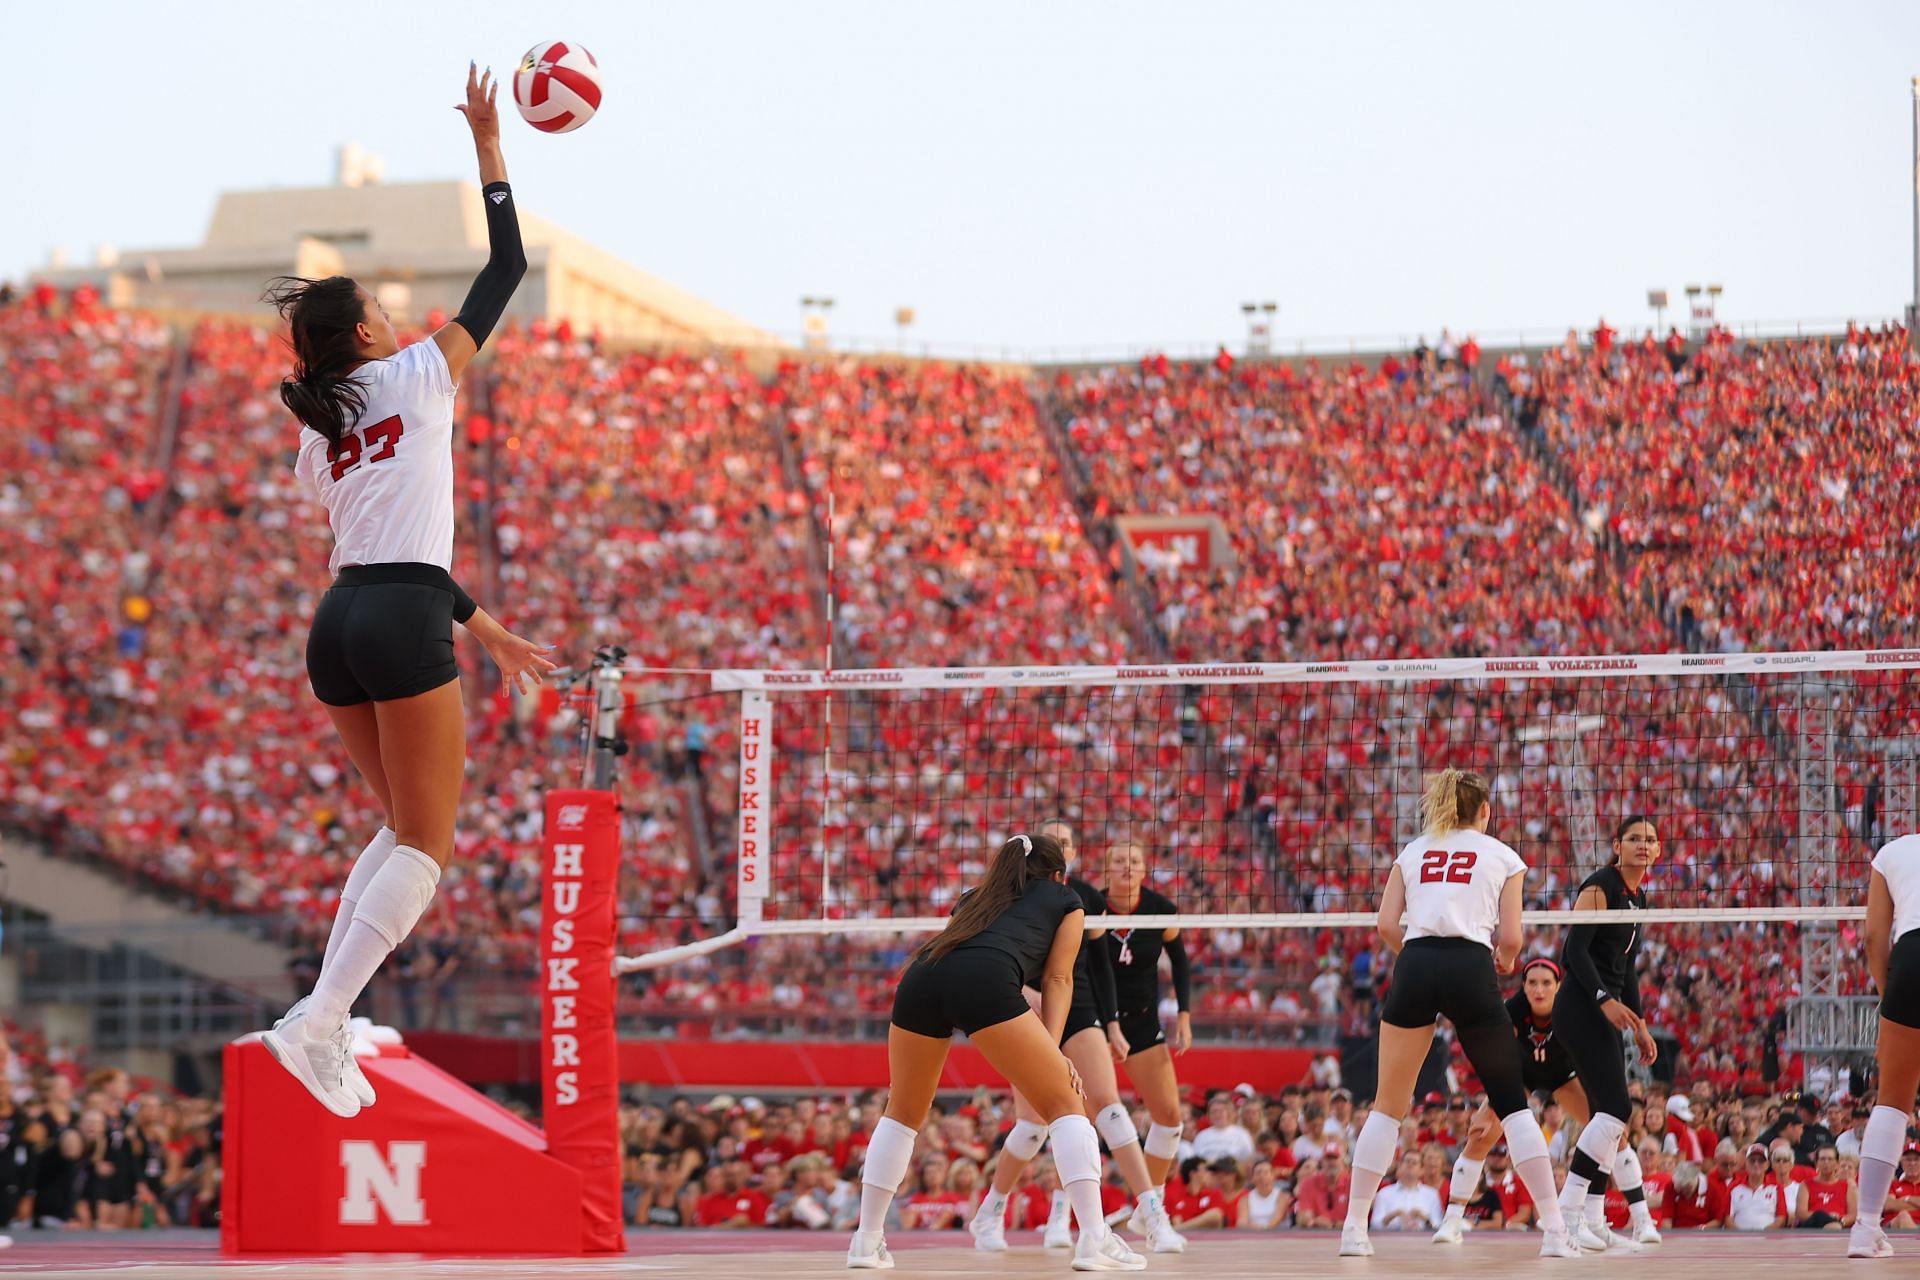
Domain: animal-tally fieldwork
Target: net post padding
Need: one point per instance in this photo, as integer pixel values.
(579, 1053)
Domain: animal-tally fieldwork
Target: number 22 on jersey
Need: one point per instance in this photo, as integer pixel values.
(1438, 865)
(345, 456)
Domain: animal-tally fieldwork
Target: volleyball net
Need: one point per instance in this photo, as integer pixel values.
(1273, 797)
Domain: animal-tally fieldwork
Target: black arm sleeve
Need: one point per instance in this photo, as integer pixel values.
(463, 605)
(1576, 957)
(1176, 950)
(506, 264)
(1106, 995)
(1631, 995)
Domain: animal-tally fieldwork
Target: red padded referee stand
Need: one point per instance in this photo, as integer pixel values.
(433, 1166)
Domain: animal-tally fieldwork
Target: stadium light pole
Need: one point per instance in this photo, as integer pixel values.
(1913, 308)
(1657, 299)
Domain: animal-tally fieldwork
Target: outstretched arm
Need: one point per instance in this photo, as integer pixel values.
(459, 339)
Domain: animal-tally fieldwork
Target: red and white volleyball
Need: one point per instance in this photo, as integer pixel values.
(557, 87)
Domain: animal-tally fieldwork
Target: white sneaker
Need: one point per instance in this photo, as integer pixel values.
(1107, 1252)
(357, 1083)
(312, 1060)
(1354, 1243)
(1558, 1244)
(869, 1253)
(1867, 1240)
(1603, 1239)
(1452, 1231)
(1646, 1232)
(989, 1230)
(1150, 1219)
(1058, 1234)
(6, 1242)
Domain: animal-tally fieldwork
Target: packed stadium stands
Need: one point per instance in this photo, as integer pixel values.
(157, 566)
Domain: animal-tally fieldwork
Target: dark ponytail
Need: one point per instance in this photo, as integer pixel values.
(321, 316)
(1020, 861)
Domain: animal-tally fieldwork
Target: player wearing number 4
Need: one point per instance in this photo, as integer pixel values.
(1451, 912)
(377, 447)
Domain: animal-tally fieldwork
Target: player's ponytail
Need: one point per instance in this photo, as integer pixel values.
(322, 316)
(1021, 860)
(1452, 800)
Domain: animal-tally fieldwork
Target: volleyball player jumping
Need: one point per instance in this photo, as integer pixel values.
(1459, 892)
(1020, 927)
(1893, 958)
(1092, 1039)
(377, 447)
(1599, 1000)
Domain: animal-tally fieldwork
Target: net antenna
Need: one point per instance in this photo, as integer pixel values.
(1285, 805)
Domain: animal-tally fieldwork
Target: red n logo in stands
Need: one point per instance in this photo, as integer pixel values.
(382, 1183)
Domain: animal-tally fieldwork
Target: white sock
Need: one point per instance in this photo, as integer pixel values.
(371, 859)
(889, 1152)
(1528, 1147)
(1456, 1212)
(1599, 1140)
(1372, 1157)
(992, 1207)
(1076, 1155)
(1059, 1206)
(1879, 1153)
(396, 895)
(1597, 1211)
(1626, 1176)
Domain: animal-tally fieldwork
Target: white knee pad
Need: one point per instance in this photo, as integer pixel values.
(1379, 1138)
(1116, 1126)
(368, 864)
(1076, 1151)
(1601, 1139)
(1524, 1139)
(398, 893)
(1626, 1169)
(1024, 1143)
(889, 1152)
(1163, 1141)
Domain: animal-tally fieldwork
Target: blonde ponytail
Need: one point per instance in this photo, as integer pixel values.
(1452, 800)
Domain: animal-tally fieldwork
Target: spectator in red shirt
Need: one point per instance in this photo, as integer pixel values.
(1827, 1201)
(1201, 1206)
(1698, 1199)
(1320, 1191)
(1903, 1198)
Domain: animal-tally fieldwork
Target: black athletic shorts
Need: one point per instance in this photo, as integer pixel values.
(969, 988)
(1080, 1016)
(382, 631)
(1455, 977)
(1901, 1001)
(1545, 1077)
(1143, 1030)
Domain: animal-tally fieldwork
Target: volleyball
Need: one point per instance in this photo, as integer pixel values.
(557, 87)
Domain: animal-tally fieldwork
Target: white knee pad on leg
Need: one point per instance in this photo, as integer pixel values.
(1024, 1143)
(1524, 1139)
(1626, 1169)
(1076, 1151)
(1379, 1138)
(1601, 1139)
(889, 1152)
(398, 893)
(1163, 1141)
(1116, 1126)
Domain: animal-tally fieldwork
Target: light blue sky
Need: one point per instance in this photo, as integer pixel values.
(1043, 174)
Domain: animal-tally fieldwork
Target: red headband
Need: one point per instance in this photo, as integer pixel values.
(1542, 960)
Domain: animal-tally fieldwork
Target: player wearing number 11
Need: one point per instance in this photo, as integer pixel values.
(377, 447)
(1451, 912)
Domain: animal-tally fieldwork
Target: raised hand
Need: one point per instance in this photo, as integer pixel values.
(483, 117)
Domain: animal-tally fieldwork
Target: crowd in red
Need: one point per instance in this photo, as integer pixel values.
(157, 565)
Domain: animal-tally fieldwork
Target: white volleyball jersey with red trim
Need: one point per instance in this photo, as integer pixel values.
(1453, 884)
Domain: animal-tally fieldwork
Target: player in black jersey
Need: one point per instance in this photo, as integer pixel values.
(1021, 926)
(1599, 1000)
(1136, 978)
(1093, 1041)
(1545, 1067)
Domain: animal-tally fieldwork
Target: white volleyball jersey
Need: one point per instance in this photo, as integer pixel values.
(388, 487)
(1453, 885)
(1899, 861)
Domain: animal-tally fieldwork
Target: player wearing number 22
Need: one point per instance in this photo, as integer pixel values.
(1451, 912)
(377, 448)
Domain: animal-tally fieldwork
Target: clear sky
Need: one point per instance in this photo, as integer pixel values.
(1051, 173)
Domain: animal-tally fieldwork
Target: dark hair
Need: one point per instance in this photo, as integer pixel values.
(1020, 860)
(1627, 824)
(321, 316)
